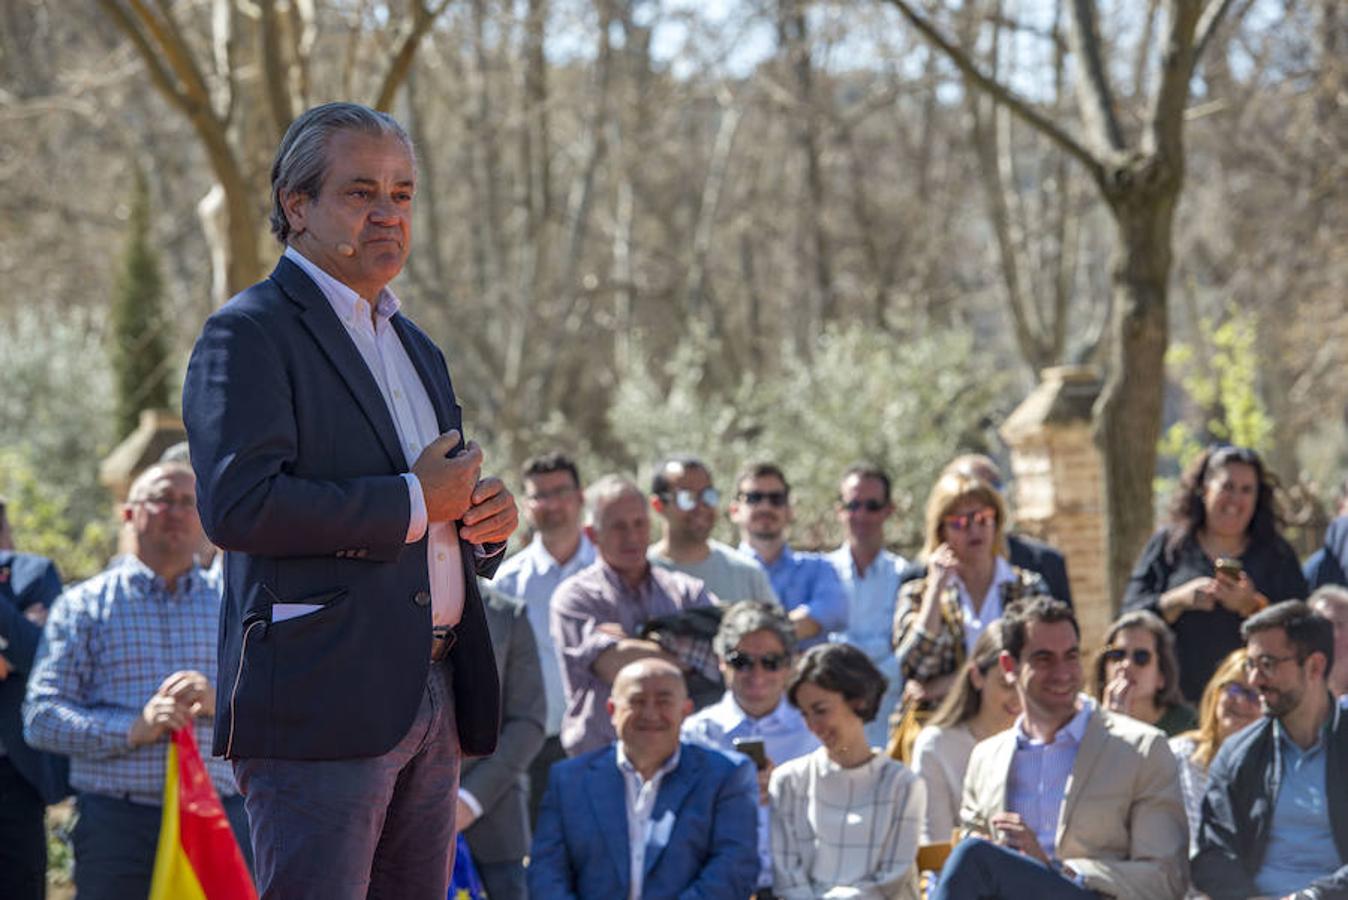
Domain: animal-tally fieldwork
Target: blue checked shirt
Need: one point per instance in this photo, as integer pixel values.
(109, 644)
(1037, 783)
(808, 580)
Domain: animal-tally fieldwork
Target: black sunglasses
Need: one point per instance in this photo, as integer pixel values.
(1141, 657)
(870, 505)
(743, 662)
(772, 498)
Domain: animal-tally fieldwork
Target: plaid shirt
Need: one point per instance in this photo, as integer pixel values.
(924, 656)
(108, 646)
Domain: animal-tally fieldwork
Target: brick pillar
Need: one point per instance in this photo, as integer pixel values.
(1059, 485)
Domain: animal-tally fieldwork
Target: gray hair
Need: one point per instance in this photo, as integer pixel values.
(301, 161)
(745, 618)
(1326, 596)
(603, 492)
(141, 485)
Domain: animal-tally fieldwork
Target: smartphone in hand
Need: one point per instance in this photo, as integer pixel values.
(753, 748)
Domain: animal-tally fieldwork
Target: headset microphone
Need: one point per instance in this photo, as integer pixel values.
(346, 249)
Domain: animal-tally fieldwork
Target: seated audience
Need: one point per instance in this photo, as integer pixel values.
(968, 584)
(870, 579)
(1275, 815)
(1331, 601)
(648, 816)
(597, 614)
(805, 583)
(845, 818)
(982, 703)
(1229, 704)
(683, 495)
(1218, 561)
(1074, 801)
(493, 810)
(1136, 673)
(754, 645)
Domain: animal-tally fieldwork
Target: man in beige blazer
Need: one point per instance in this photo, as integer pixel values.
(1073, 801)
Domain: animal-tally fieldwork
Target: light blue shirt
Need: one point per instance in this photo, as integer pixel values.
(784, 737)
(808, 580)
(1300, 842)
(1037, 782)
(870, 622)
(531, 576)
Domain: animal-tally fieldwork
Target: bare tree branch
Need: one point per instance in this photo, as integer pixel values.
(1165, 130)
(1000, 92)
(1094, 95)
(423, 18)
(1212, 18)
(274, 67)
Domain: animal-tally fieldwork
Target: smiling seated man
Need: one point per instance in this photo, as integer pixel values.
(1073, 801)
(688, 811)
(1275, 815)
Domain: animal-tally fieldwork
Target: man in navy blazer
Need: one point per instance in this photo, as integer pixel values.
(355, 661)
(29, 779)
(673, 819)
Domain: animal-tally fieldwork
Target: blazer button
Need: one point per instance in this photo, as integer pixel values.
(422, 598)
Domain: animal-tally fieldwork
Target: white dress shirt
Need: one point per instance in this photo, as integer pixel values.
(641, 830)
(413, 416)
(975, 622)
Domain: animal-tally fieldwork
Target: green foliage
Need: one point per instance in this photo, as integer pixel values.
(138, 344)
(45, 523)
(54, 429)
(864, 396)
(1220, 377)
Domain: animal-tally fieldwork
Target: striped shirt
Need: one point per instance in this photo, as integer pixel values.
(109, 644)
(1037, 782)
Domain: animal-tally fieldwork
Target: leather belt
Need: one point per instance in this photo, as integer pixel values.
(443, 639)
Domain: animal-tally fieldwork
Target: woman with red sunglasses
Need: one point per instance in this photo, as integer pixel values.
(969, 581)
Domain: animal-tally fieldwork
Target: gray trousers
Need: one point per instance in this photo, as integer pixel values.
(348, 829)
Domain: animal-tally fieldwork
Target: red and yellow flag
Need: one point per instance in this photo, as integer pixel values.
(198, 858)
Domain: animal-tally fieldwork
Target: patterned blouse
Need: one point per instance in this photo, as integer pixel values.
(924, 656)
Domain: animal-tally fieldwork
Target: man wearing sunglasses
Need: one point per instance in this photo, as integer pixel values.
(683, 495)
(755, 646)
(805, 582)
(1275, 815)
(870, 576)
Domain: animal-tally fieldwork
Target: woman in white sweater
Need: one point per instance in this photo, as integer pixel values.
(845, 818)
(981, 703)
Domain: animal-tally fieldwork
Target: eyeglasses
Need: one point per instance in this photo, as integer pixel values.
(1267, 665)
(553, 494)
(743, 662)
(871, 505)
(688, 500)
(964, 521)
(1237, 691)
(1141, 657)
(772, 498)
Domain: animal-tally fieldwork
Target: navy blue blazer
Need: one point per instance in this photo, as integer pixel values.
(704, 839)
(298, 469)
(26, 580)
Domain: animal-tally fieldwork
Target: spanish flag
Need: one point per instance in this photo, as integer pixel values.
(198, 858)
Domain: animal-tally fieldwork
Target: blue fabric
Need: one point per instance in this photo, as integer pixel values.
(1300, 843)
(464, 883)
(808, 580)
(299, 479)
(26, 580)
(109, 644)
(1037, 781)
(980, 870)
(1329, 564)
(580, 849)
(871, 596)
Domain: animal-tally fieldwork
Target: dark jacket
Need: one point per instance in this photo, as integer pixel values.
(299, 480)
(26, 580)
(1203, 638)
(1329, 564)
(1238, 812)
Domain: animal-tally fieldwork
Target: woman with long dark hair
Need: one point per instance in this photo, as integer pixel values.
(1217, 561)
